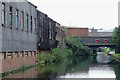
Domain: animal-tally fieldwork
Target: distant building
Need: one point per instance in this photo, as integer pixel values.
(77, 32)
(60, 35)
(100, 32)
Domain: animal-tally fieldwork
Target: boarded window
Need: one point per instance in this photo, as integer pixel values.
(22, 20)
(3, 14)
(27, 22)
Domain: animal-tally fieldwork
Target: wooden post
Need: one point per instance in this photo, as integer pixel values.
(18, 54)
(23, 54)
(12, 55)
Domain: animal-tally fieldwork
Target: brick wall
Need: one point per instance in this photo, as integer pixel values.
(77, 32)
(14, 61)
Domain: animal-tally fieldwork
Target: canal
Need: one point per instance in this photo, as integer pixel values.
(100, 66)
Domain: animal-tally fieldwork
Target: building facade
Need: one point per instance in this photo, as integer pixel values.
(46, 32)
(18, 23)
(78, 32)
(23, 31)
(18, 26)
(60, 35)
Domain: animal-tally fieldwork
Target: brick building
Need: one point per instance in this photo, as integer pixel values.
(77, 32)
(23, 31)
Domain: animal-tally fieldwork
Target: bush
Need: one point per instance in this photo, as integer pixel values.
(74, 47)
(75, 44)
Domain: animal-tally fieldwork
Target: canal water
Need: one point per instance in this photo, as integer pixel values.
(100, 66)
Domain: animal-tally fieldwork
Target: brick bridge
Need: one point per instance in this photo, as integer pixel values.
(97, 41)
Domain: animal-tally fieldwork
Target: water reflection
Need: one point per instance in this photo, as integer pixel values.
(103, 57)
(101, 71)
(76, 67)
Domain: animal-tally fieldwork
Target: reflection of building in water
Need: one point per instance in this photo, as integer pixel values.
(100, 32)
(31, 73)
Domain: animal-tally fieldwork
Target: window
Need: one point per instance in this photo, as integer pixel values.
(22, 20)
(10, 17)
(27, 22)
(34, 28)
(50, 32)
(3, 14)
(31, 24)
(17, 19)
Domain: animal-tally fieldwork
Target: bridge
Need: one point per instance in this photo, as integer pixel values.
(97, 41)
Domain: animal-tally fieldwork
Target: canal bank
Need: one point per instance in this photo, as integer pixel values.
(112, 53)
(12, 64)
(115, 57)
(74, 67)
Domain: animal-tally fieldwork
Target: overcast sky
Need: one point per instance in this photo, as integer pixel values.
(81, 13)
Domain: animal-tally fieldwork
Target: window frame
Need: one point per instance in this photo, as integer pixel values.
(27, 22)
(35, 25)
(22, 20)
(3, 15)
(31, 24)
(10, 15)
(17, 18)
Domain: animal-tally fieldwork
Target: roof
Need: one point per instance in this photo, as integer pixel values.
(109, 30)
(105, 30)
(31, 4)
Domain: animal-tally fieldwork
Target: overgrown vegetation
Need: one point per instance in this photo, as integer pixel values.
(116, 38)
(74, 48)
(74, 43)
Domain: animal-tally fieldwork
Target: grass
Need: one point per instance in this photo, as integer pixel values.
(117, 55)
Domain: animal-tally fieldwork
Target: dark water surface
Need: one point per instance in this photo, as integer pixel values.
(77, 67)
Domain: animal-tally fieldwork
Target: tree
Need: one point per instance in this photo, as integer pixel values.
(116, 38)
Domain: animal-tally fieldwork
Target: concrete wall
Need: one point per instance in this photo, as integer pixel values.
(14, 39)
